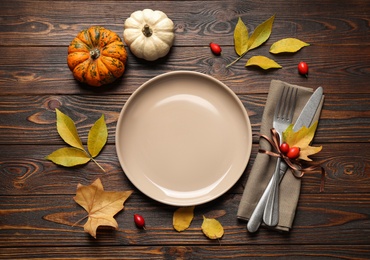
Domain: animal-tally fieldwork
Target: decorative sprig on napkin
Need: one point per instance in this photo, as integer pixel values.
(300, 139)
(76, 154)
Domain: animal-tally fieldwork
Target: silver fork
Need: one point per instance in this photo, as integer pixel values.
(287, 97)
(282, 119)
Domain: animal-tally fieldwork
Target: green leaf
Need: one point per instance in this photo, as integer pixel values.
(263, 62)
(287, 45)
(261, 33)
(240, 38)
(97, 137)
(67, 130)
(69, 156)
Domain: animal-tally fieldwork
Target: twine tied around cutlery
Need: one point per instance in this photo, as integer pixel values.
(296, 166)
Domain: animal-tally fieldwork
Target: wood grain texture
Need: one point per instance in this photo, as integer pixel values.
(44, 70)
(192, 252)
(38, 217)
(28, 119)
(196, 22)
(24, 171)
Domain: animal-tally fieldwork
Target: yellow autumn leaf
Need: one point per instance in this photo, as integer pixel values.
(261, 33)
(302, 139)
(287, 45)
(68, 157)
(240, 37)
(182, 218)
(263, 62)
(212, 228)
(100, 205)
(67, 130)
(97, 137)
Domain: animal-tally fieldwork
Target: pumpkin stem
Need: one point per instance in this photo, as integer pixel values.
(147, 31)
(95, 54)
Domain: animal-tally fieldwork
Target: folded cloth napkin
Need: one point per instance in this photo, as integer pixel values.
(264, 165)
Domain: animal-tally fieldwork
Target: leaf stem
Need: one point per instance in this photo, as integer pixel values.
(92, 159)
(238, 59)
(78, 221)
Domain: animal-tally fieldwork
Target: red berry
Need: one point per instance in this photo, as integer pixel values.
(215, 48)
(139, 221)
(293, 152)
(284, 148)
(303, 68)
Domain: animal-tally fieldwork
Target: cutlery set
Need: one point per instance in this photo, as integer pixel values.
(267, 209)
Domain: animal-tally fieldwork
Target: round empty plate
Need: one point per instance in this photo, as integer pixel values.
(183, 138)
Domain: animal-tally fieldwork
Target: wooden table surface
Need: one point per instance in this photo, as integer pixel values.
(37, 210)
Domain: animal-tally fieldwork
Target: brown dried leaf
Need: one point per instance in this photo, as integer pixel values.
(100, 205)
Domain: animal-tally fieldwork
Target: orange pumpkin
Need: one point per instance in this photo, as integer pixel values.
(97, 56)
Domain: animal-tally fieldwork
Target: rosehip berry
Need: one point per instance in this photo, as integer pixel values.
(284, 148)
(293, 152)
(303, 68)
(139, 221)
(215, 48)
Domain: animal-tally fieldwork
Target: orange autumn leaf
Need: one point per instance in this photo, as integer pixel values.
(302, 139)
(100, 205)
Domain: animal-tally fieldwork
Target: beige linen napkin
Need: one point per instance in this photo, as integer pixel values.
(264, 165)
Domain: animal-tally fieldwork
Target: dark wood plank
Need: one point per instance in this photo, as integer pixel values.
(191, 252)
(51, 221)
(43, 70)
(196, 22)
(37, 210)
(31, 119)
(24, 171)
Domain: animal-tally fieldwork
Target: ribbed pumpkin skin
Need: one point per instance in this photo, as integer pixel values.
(97, 56)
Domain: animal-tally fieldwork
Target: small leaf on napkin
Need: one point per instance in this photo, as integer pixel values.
(97, 137)
(263, 62)
(100, 205)
(69, 156)
(302, 138)
(240, 38)
(212, 228)
(261, 33)
(182, 218)
(287, 45)
(67, 130)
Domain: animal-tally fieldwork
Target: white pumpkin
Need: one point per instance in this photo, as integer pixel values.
(149, 34)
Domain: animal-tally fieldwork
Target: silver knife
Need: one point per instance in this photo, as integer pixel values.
(305, 118)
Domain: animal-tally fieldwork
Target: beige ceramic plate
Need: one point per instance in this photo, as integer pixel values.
(183, 138)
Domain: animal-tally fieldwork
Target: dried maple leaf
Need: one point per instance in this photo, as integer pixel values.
(302, 139)
(100, 205)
